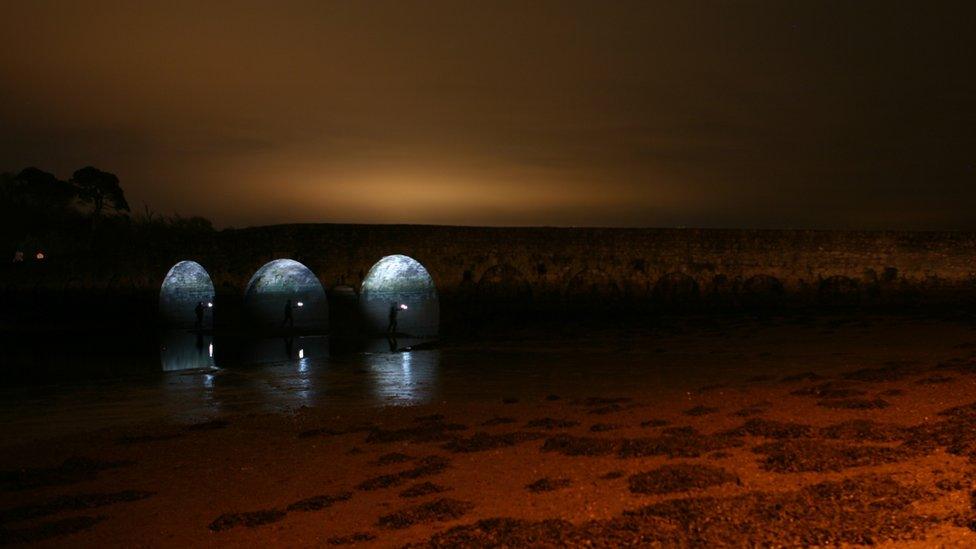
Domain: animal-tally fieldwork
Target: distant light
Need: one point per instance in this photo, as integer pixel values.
(209, 304)
(301, 353)
(211, 350)
(40, 255)
(403, 306)
(300, 304)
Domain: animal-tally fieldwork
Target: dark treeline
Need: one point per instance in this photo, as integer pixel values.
(73, 255)
(85, 218)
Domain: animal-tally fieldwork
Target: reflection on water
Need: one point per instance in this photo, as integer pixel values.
(44, 393)
(183, 350)
(276, 350)
(406, 377)
(286, 373)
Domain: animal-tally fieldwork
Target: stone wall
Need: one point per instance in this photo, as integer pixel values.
(519, 267)
(665, 266)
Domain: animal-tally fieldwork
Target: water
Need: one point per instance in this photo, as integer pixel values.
(196, 377)
(52, 390)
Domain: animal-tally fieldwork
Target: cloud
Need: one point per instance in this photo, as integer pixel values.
(624, 113)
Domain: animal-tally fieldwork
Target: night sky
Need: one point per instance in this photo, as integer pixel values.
(706, 114)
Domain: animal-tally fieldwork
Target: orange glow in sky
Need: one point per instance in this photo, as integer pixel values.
(777, 114)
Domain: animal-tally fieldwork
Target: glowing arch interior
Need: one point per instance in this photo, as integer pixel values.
(281, 281)
(186, 284)
(398, 280)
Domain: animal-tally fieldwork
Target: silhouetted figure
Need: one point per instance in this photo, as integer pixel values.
(289, 319)
(199, 309)
(394, 312)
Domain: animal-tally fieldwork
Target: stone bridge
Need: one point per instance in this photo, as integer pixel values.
(667, 267)
(547, 268)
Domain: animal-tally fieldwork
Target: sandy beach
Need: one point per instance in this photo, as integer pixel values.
(850, 431)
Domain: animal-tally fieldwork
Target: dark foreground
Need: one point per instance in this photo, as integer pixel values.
(833, 431)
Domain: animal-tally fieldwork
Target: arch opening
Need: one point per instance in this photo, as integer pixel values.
(761, 290)
(839, 290)
(281, 285)
(503, 283)
(593, 284)
(186, 285)
(675, 290)
(398, 296)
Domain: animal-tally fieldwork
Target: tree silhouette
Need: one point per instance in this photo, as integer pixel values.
(35, 188)
(100, 189)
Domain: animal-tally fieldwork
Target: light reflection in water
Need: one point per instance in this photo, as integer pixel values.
(274, 374)
(403, 378)
(477, 371)
(279, 350)
(305, 387)
(284, 374)
(182, 350)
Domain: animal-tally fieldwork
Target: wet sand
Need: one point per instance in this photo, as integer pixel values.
(815, 433)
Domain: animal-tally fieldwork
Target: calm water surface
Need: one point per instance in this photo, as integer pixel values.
(196, 377)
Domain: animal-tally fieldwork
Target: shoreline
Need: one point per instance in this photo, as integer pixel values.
(866, 414)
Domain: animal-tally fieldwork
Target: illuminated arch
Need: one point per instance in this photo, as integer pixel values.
(400, 280)
(186, 284)
(279, 281)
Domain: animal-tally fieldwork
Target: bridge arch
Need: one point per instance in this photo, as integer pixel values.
(394, 282)
(761, 290)
(503, 282)
(592, 283)
(278, 282)
(675, 289)
(186, 284)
